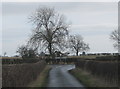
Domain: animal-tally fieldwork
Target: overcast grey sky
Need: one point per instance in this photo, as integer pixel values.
(93, 20)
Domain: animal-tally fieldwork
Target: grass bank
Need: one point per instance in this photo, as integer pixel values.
(87, 79)
(42, 79)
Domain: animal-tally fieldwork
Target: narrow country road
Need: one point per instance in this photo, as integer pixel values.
(60, 77)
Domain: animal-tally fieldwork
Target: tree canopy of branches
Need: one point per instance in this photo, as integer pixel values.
(115, 36)
(50, 29)
(26, 52)
(77, 44)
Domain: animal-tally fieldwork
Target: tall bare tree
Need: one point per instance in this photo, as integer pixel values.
(115, 36)
(50, 29)
(77, 44)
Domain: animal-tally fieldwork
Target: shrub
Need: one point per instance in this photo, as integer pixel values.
(15, 60)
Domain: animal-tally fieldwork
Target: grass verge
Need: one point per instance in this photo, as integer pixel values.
(87, 79)
(41, 81)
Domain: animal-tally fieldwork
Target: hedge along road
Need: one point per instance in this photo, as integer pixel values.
(60, 77)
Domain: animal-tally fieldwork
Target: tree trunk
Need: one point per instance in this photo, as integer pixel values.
(77, 53)
(50, 52)
(50, 49)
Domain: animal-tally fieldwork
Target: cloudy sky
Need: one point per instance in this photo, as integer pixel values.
(93, 20)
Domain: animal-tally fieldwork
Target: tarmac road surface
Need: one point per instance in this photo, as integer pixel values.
(60, 77)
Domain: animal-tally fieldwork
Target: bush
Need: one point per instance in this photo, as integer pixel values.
(107, 58)
(26, 52)
(11, 60)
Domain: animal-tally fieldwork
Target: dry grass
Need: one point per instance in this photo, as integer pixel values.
(41, 80)
(106, 71)
(88, 80)
(10, 58)
(20, 75)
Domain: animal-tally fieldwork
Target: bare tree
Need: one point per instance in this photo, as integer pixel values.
(77, 44)
(115, 36)
(50, 29)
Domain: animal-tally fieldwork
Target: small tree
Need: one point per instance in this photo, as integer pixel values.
(115, 36)
(26, 52)
(77, 44)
